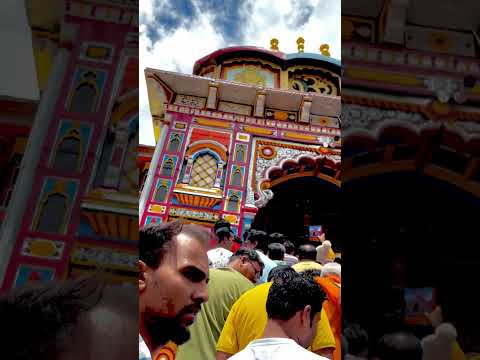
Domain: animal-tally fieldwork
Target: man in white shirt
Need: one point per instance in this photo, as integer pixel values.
(219, 257)
(293, 309)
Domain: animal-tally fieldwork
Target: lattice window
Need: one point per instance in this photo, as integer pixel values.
(52, 215)
(167, 168)
(84, 99)
(232, 204)
(68, 154)
(236, 179)
(204, 171)
(161, 193)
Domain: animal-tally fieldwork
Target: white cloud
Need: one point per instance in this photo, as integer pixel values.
(180, 50)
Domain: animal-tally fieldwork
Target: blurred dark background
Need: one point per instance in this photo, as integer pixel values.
(410, 163)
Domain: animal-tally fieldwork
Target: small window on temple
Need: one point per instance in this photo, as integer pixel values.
(236, 179)
(174, 144)
(52, 214)
(84, 99)
(67, 155)
(240, 154)
(161, 194)
(167, 168)
(232, 204)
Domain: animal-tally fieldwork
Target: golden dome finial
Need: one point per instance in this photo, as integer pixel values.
(274, 44)
(300, 44)
(324, 49)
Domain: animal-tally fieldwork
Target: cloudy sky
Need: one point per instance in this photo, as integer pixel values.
(176, 33)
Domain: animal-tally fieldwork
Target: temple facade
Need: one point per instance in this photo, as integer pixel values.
(71, 176)
(246, 120)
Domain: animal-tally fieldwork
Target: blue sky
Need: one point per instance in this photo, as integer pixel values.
(175, 33)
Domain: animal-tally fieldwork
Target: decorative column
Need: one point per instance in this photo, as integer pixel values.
(188, 170)
(151, 171)
(305, 109)
(218, 178)
(260, 103)
(112, 176)
(31, 157)
(394, 16)
(212, 95)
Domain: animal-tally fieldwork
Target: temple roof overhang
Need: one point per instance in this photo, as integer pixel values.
(288, 100)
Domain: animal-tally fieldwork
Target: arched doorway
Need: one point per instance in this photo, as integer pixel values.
(409, 230)
(300, 201)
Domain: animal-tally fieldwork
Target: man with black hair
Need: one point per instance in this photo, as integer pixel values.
(307, 255)
(293, 309)
(258, 240)
(219, 256)
(75, 319)
(289, 256)
(281, 273)
(277, 238)
(172, 285)
(226, 285)
(276, 252)
(248, 319)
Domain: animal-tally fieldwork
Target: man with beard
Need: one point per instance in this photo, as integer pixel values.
(172, 283)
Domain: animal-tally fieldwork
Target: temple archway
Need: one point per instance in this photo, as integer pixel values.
(300, 200)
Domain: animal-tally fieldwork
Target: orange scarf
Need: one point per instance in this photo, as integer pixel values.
(331, 284)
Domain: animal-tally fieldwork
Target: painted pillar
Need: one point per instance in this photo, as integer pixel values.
(149, 182)
(28, 166)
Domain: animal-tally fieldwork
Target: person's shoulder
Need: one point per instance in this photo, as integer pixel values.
(242, 355)
(265, 259)
(228, 274)
(254, 295)
(301, 353)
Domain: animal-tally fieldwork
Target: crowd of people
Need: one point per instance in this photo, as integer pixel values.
(259, 298)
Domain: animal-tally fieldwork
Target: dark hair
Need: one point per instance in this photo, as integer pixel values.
(277, 238)
(41, 317)
(276, 251)
(260, 237)
(289, 247)
(307, 252)
(311, 274)
(286, 298)
(222, 230)
(399, 346)
(155, 239)
(281, 273)
(251, 254)
(357, 338)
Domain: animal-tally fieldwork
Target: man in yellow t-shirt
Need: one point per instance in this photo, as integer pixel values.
(247, 320)
(307, 255)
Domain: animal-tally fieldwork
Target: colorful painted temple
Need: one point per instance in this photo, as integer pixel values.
(247, 120)
(69, 159)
